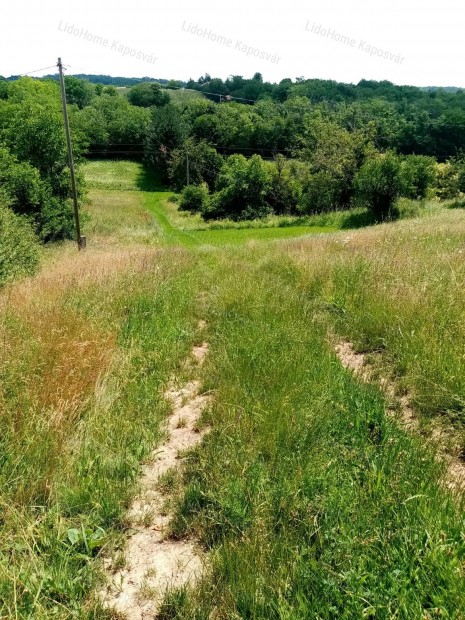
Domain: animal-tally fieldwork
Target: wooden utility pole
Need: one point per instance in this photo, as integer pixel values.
(187, 168)
(81, 241)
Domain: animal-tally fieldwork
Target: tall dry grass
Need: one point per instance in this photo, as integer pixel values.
(400, 289)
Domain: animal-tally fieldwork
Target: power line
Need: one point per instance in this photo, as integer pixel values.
(206, 92)
(36, 71)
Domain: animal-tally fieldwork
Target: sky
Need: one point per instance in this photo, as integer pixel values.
(404, 41)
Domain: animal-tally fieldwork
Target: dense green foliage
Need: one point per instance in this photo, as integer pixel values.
(19, 253)
(326, 131)
(196, 158)
(312, 146)
(111, 125)
(378, 182)
(194, 198)
(410, 119)
(147, 94)
(34, 171)
(79, 92)
(109, 80)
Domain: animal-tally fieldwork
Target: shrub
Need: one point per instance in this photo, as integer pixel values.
(57, 220)
(321, 193)
(405, 208)
(378, 183)
(447, 181)
(19, 249)
(29, 195)
(194, 198)
(460, 165)
(417, 176)
(243, 186)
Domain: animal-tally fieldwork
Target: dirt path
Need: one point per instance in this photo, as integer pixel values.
(403, 411)
(153, 563)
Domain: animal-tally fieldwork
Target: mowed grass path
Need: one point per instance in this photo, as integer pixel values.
(310, 500)
(124, 176)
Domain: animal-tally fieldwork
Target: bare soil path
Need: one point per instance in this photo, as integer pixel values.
(154, 563)
(406, 415)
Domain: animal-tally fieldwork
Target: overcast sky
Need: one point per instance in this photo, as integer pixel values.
(404, 41)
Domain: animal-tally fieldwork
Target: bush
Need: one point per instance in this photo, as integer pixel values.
(194, 198)
(460, 166)
(30, 196)
(285, 189)
(378, 183)
(57, 220)
(19, 249)
(417, 176)
(405, 208)
(448, 180)
(321, 193)
(243, 187)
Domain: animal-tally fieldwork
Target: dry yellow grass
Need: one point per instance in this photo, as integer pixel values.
(55, 354)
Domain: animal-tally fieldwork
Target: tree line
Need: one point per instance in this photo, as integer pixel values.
(239, 148)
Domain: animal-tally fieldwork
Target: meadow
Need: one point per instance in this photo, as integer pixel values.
(310, 498)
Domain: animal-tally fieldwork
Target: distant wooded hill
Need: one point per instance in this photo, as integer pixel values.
(106, 80)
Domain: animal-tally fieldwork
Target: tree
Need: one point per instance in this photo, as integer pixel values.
(3, 89)
(417, 176)
(378, 183)
(174, 84)
(113, 124)
(334, 155)
(203, 161)
(166, 132)
(90, 125)
(148, 94)
(35, 165)
(243, 186)
(285, 189)
(79, 92)
(33, 197)
(110, 91)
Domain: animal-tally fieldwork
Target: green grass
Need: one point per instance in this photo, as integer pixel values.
(114, 175)
(181, 95)
(81, 407)
(156, 203)
(119, 215)
(311, 501)
(398, 288)
(241, 235)
(335, 220)
(103, 177)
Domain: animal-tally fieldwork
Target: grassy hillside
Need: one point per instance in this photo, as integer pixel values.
(310, 499)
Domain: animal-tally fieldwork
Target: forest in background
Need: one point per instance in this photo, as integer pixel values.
(238, 149)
